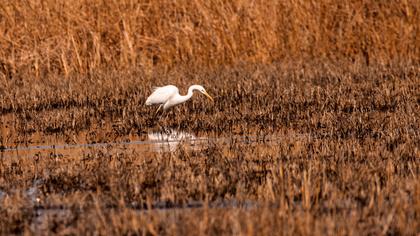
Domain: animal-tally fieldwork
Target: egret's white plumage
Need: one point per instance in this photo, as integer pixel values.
(168, 96)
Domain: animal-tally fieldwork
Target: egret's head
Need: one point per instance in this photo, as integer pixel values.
(202, 90)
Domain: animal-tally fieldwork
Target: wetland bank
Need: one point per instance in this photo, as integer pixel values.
(311, 137)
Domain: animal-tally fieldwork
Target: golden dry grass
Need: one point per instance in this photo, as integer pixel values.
(336, 84)
(44, 37)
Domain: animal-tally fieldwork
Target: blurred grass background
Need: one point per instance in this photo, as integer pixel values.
(50, 37)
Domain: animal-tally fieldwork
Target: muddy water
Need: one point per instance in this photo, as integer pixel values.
(152, 142)
(162, 141)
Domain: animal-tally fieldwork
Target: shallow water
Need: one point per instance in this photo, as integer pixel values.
(163, 141)
(152, 142)
(153, 138)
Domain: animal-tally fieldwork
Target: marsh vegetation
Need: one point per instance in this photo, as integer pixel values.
(314, 128)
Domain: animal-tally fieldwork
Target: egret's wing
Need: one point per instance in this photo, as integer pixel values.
(161, 94)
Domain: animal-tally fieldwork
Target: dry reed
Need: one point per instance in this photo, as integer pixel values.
(336, 83)
(40, 38)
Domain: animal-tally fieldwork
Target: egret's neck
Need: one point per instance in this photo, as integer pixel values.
(191, 90)
(183, 98)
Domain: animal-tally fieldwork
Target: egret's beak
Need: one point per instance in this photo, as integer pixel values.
(207, 95)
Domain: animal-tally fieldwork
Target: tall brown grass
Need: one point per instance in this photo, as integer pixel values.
(335, 83)
(42, 37)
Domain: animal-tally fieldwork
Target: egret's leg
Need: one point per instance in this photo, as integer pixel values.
(160, 106)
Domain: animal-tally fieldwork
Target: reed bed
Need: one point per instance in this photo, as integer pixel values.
(43, 38)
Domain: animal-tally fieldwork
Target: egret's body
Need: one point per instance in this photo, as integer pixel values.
(168, 96)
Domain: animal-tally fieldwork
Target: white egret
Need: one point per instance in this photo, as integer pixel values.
(168, 96)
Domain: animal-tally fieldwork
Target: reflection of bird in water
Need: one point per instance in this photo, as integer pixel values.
(168, 96)
(169, 139)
